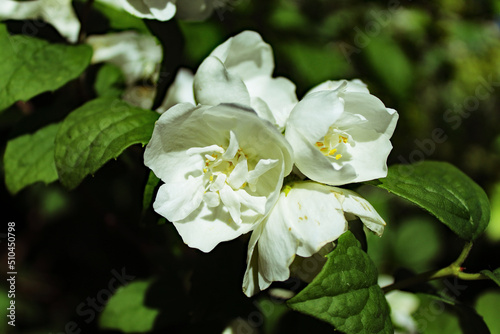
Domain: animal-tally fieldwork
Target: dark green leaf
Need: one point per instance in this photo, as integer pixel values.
(120, 19)
(442, 315)
(149, 190)
(109, 81)
(97, 132)
(487, 305)
(30, 158)
(30, 66)
(493, 275)
(390, 63)
(126, 310)
(345, 293)
(443, 190)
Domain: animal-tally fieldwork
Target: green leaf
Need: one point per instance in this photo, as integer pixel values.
(96, 132)
(442, 315)
(493, 275)
(390, 63)
(30, 158)
(120, 19)
(487, 305)
(126, 309)
(444, 191)
(345, 293)
(30, 66)
(149, 190)
(109, 81)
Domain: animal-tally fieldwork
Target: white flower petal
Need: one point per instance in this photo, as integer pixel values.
(355, 204)
(213, 85)
(369, 155)
(255, 203)
(246, 55)
(312, 163)
(137, 55)
(231, 202)
(206, 227)
(232, 148)
(239, 174)
(180, 91)
(253, 281)
(212, 199)
(176, 200)
(355, 85)
(59, 13)
(314, 114)
(162, 10)
(316, 216)
(278, 94)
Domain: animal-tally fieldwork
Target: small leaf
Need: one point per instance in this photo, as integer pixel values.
(345, 293)
(151, 184)
(97, 132)
(30, 158)
(126, 309)
(493, 275)
(444, 191)
(30, 66)
(487, 305)
(109, 81)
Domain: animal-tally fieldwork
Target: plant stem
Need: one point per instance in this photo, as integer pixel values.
(453, 269)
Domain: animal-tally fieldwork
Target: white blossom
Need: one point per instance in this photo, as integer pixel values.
(137, 55)
(59, 13)
(180, 91)
(240, 71)
(341, 134)
(307, 216)
(222, 168)
(164, 10)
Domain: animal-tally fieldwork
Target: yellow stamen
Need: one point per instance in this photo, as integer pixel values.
(319, 144)
(332, 152)
(338, 156)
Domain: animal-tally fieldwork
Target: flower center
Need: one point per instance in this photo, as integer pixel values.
(229, 179)
(333, 143)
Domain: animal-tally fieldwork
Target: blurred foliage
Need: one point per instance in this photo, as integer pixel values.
(437, 63)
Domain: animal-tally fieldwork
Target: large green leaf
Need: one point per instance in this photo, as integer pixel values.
(96, 132)
(126, 310)
(443, 190)
(30, 66)
(30, 158)
(345, 293)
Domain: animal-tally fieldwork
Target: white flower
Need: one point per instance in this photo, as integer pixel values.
(222, 168)
(164, 10)
(341, 134)
(403, 305)
(137, 55)
(239, 71)
(307, 216)
(59, 13)
(180, 91)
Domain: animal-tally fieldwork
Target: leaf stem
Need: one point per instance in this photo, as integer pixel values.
(453, 269)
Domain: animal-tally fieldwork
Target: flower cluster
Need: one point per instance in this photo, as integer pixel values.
(251, 157)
